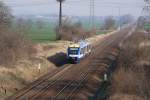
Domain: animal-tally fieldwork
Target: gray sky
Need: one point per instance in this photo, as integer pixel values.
(76, 7)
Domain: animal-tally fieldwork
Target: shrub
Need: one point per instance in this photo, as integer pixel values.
(132, 74)
(72, 31)
(13, 46)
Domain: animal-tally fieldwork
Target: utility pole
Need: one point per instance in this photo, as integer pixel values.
(60, 17)
(60, 12)
(92, 13)
(119, 19)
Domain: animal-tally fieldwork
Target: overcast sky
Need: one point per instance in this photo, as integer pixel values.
(76, 7)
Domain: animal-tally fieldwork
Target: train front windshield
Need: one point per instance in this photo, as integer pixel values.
(73, 51)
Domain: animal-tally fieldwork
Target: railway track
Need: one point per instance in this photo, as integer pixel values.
(34, 88)
(77, 82)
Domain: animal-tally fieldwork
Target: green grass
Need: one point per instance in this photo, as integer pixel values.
(89, 26)
(99, 33)
(45, 34)
(147, 26)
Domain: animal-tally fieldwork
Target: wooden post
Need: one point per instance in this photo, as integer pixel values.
(105, 77)
(39, 68)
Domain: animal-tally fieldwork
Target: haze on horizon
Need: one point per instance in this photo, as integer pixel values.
(76, 7)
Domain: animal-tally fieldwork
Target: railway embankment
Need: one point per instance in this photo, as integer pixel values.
(49, 57)
(131, 80)
(81, 81)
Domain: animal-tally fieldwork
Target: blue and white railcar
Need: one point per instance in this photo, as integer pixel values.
(77, 51)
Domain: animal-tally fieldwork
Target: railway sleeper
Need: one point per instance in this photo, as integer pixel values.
(74, 84)
(106, 61)
(86, 93)
(109, 53)
(99, 69)
(101, 65)
(112, 53)
(98, 64)
(90, 87)
(60, 98)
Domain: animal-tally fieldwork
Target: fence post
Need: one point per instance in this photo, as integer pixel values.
(39, 68)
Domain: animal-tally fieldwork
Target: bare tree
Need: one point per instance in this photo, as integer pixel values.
(127, 19)
(5, 16)
(147, 7)
(22, 25)
(148, 1)
(40, 23)
(109, 23)
(13, 45)
(29, 24)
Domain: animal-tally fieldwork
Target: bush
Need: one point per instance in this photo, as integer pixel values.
(132, 74)
(5, 16)
(72, 31)
(109, 23)
(13, 46)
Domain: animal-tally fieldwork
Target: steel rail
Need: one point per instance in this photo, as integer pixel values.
(73, 92)
(52, 84)
(38, 83)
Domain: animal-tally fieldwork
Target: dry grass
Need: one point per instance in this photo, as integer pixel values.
(13, 47)
(132, 76)
(26, 70)
(125, 97)
(14, 79)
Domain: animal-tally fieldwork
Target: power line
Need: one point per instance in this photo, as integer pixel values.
(93, 5)
(90, 17)
(146, 8)
(98, 3)
(92, 13)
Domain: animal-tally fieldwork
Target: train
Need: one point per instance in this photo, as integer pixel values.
(78, 51)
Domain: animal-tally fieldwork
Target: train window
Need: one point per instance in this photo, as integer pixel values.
(81, 52)
(73, 51)
(84, 50)
(88, 48)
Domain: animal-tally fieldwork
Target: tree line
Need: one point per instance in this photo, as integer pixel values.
(13, 45)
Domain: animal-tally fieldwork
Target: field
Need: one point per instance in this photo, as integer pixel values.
(44, 34)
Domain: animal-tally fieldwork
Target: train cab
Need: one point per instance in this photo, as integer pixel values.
(77, 51)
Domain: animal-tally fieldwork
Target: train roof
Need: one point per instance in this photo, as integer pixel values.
(79, 44)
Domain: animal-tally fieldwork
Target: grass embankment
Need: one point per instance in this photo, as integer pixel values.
(26, 71)
(131, 80)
